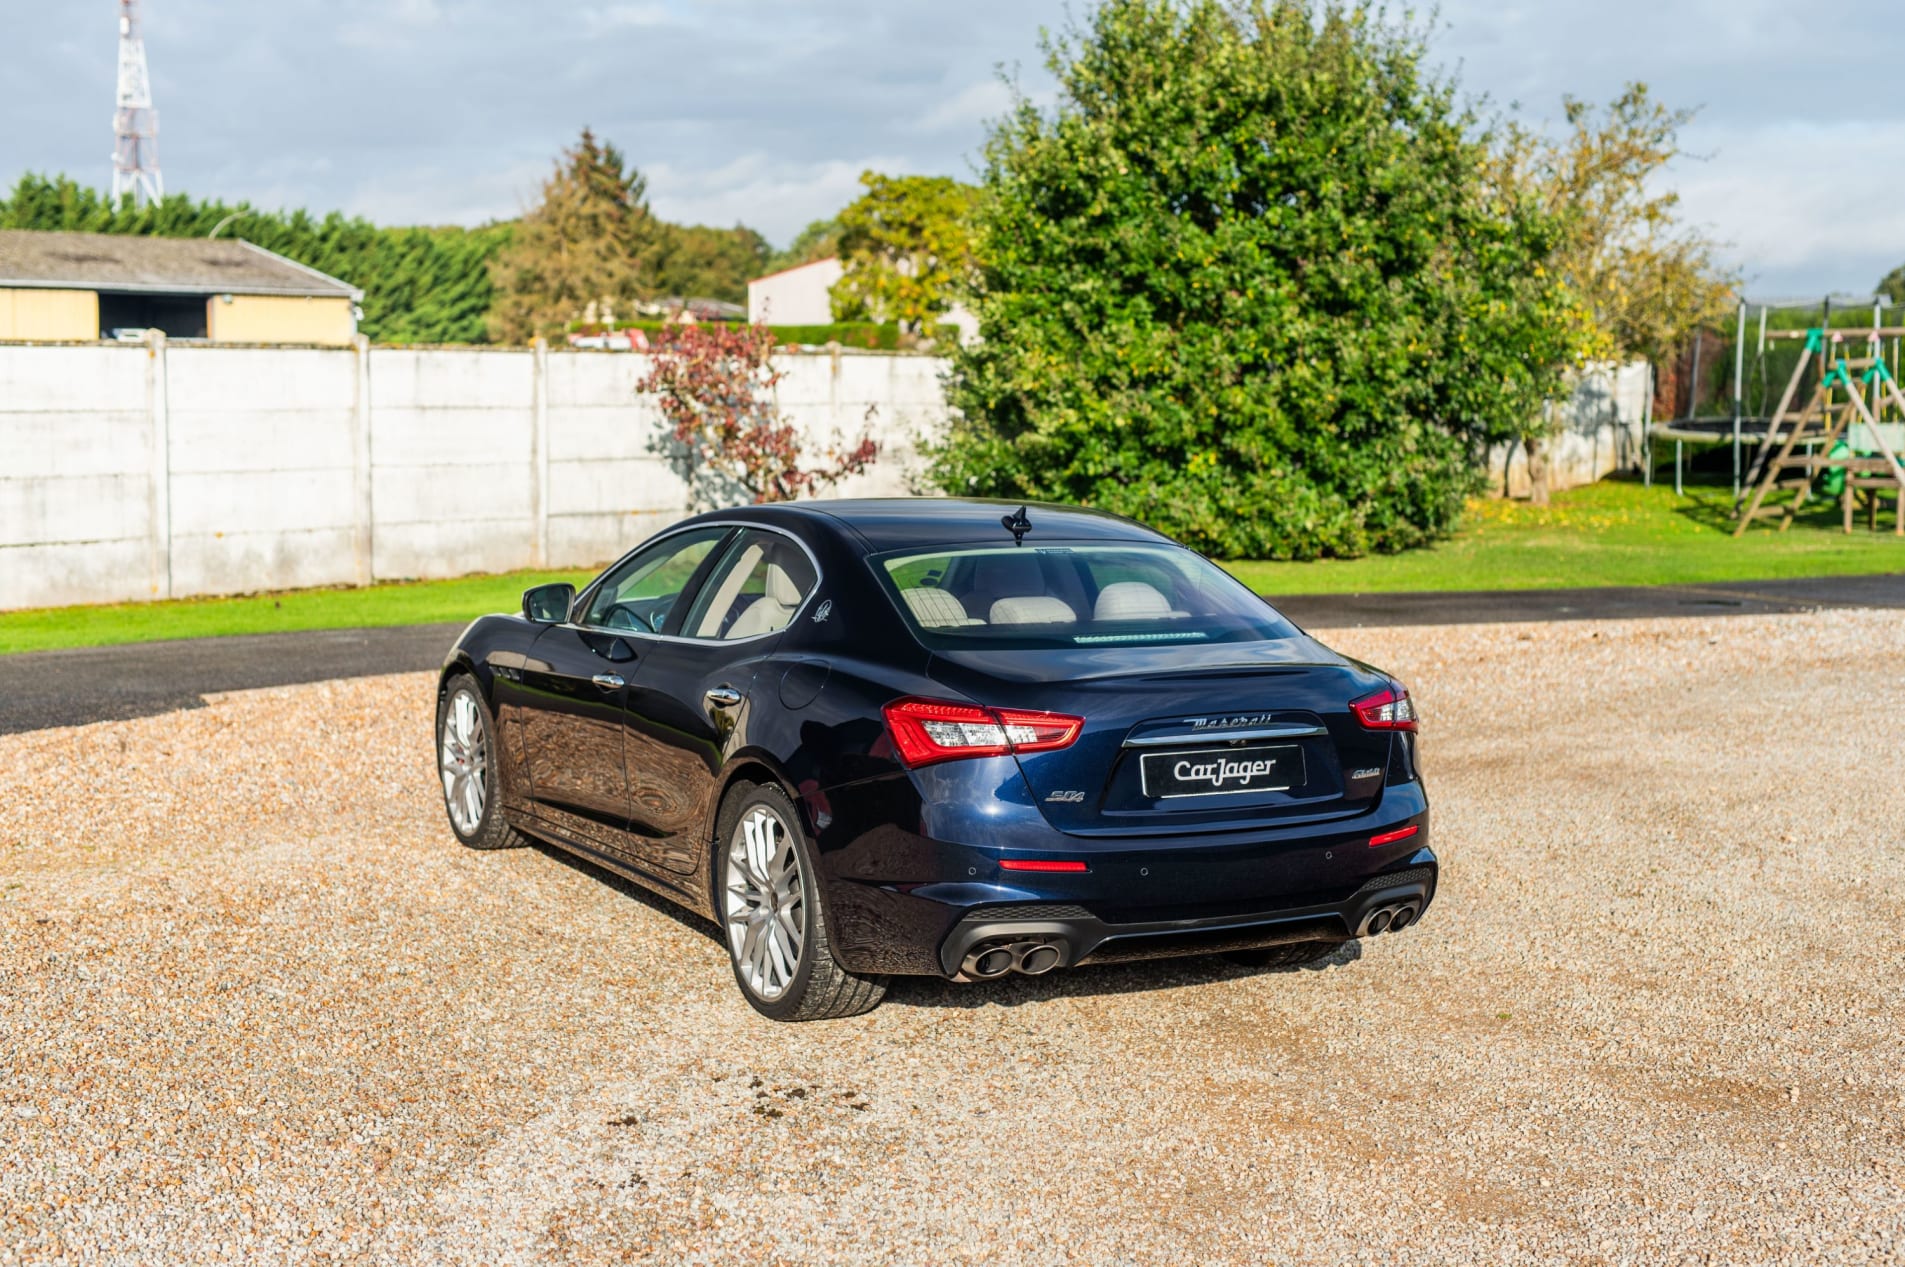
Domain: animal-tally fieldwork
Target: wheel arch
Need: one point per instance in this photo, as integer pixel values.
(749, 766)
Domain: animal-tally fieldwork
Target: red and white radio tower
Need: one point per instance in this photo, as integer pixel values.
(135, 153)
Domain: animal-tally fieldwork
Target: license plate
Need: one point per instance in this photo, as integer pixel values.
(1221, 771)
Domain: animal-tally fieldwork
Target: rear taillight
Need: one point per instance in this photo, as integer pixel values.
(926, 730)
(1388, 709)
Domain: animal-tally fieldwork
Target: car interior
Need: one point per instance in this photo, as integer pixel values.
(755, 592)
(1043, 588)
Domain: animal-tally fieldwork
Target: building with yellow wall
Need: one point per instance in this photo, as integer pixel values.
(78, 287)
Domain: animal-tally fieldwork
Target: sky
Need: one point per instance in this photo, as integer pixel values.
(766, 113)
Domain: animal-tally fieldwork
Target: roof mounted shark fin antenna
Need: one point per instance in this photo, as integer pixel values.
(1017, 524)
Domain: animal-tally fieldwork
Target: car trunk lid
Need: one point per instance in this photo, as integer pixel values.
(1209, 738)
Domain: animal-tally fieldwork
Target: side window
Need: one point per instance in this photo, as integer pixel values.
(757, 587)
(642, 593)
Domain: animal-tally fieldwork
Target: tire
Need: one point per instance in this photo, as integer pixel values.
(764, 912)
(466, 751)
(1289, 955)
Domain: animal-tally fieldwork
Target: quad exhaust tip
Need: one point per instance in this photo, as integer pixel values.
(1032, 958)
(1392, 918)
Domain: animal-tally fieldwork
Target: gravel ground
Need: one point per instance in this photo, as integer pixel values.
(256, 1005)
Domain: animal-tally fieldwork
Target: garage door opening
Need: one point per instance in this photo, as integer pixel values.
(177, 316)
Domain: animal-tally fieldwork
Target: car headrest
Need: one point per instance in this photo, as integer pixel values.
(1130, 600)
(1033, 609)
(935, 608)
(781, 587)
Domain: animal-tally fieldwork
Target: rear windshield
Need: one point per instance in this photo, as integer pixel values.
(1073, 596)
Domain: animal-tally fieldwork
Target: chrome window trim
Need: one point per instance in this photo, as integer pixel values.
(586, 596)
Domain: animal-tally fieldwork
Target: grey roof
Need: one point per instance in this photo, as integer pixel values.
(185, 266)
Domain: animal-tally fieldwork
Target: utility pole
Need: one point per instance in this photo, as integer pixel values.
(135, 152)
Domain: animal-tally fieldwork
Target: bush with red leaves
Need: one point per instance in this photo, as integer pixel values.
(715, 384)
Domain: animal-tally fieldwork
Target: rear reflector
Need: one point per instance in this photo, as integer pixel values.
(1388, 709)
(1034, 864)
(925, 730)
(1391, 837)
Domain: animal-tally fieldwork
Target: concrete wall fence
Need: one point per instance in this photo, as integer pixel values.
(1599, 428)
(141, 471)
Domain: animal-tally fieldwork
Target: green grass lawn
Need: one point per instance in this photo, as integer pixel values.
(410, 603)
(1612, 533)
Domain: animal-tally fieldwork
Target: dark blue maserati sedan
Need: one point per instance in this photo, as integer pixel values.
(953, 738)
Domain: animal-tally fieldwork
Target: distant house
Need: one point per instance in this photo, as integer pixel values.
(82, 286)
(797, 296)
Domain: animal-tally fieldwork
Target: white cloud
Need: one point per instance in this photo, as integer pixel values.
(433, 195)
(778, 196)
(415, 12)
(609, 17)
(392, 22)
(1803, 207)
(975, 104)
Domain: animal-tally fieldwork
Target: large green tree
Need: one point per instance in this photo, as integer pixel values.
(591, 242)
(1639, 279)
(696, 261)
(1643, 277)
(1251, 280)
(906, 244)
(1892, 285)
(421, 285)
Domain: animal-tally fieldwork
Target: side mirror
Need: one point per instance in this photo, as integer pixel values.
(549, 604)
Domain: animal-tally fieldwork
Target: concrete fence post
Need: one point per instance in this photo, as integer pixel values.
(363, 521)
(159, 437)
(539, 454)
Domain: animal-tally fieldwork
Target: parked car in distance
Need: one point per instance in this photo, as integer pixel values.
(948, 738)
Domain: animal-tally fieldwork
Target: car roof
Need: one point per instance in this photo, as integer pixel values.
(897, 523)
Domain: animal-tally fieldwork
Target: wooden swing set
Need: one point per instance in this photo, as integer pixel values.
(1837, 442)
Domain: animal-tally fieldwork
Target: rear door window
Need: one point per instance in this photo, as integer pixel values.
(756, 589)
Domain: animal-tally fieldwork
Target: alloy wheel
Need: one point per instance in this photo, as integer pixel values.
(464, 763)
(765, 903)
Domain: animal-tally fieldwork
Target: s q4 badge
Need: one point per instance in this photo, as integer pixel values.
(1065, 798)
(823, 611)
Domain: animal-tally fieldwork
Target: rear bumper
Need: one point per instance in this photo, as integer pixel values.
(909, 904)
(1080, 937)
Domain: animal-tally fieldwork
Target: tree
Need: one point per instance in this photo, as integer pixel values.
(906, 244)
(818, 241)
(715, 385)
(1893, 285)
(699, 262)
(591, 241)
(1251, 282)
(1640, 280)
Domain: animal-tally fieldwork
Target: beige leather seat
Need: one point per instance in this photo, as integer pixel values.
(773, 609)
(1133, 600)
(1033, 609)
(936, 609)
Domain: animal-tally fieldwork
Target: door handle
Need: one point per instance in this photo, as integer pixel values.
(609, 681)
(724, 697)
